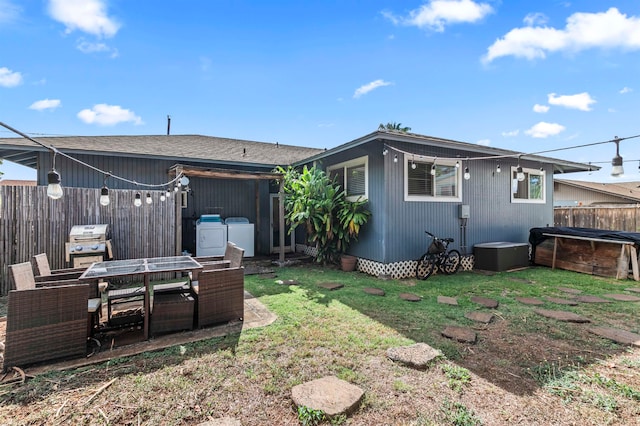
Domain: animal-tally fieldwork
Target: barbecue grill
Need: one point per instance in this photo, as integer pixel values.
(88, 244)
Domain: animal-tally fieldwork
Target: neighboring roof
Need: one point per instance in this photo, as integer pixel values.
(178, 147)
(627, 190)
(16, 182)
(559, 166)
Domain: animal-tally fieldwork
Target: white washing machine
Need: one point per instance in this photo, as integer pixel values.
(211, 236)
(242, 234)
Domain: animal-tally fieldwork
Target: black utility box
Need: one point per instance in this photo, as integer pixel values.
(500, 256)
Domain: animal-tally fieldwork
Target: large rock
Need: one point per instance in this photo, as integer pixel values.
(419, 355)
(330, 394)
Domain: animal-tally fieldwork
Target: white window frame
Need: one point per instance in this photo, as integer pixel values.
(528, 172)
(360, 161)
(432, 198)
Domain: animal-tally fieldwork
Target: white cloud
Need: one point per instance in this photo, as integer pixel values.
(363, 90)
(484, 142)
(89, 16)
(625, 90)
(511, 133)
(9, 12)
(45, 104)
(9, 78)
(606, 30)
(535, 19)
(108, 115)
(581, 101)
(436, 14)
(540, 108)
(543, 130)
(90, 47)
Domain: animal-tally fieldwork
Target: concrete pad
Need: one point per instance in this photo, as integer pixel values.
(592, 299)
(484, 301)
(529, 300)
(419, 355)
(331, 286)
(623, 297)
(483, 317)
(374, 291)
(461, 334)
(618, 336)
(561, 315)
(448, 300)
(560, 301)
(410, 297)
(570, 290)
(330, 394)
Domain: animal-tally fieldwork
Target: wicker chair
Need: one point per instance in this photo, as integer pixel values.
(42, 270)
(232, 259)
(219, 296)
(46, 323)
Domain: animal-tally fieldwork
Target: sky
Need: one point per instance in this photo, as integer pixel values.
(528, 76)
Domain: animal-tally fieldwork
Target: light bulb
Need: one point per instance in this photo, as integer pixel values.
(395, 159)
(148, 200)
(457, 164)
(433, 169)
(385, 151)
(467, 175)
(104, 196)
(54, 190)
(138, 201)
(413, 166)
(617, 169)
(519, 174)
(176, 188)
(498, 169)
(163, 197)
(168, 193)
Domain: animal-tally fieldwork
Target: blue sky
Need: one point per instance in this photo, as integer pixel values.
(521, 75)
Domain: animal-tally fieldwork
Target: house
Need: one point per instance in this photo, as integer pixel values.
(16, 182)
(573, 193)
(413, 183)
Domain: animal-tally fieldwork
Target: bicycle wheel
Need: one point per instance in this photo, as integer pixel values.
(425, 267)
(452, 262)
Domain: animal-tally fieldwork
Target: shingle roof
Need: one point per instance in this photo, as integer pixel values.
(195, 147)
(628, 190)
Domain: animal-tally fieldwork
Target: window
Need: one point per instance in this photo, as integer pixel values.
(353, 177)
(531, 189)
(426, 181)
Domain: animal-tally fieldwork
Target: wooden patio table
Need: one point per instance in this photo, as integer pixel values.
(145, 267)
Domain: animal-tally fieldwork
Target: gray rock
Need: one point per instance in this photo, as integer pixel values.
(483, 317)
(419, 355)
(484, 301)
(461, 334)
(446, 300)
(330, 394)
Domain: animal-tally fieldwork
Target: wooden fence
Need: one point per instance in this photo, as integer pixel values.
(614, 218)
(32, 223)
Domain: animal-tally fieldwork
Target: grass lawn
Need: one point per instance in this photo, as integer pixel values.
(524, 368)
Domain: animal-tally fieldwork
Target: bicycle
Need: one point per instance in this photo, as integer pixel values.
(438, 257)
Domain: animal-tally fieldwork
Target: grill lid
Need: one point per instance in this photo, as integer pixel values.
(81, 233)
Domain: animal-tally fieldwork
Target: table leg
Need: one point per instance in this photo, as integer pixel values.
(555, 249)
(147, 304)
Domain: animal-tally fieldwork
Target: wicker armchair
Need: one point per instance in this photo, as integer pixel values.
(42, 270)
(232, 259)
(219, 296)
(46, 323)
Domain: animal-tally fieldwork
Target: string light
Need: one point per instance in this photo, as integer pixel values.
(498, 169)
(104, 192)
(617, 169)
(138, 200)
(467, 175)
(148, 200)
(54, 190)
(395, 158)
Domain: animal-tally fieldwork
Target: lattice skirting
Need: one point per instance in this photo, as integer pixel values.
(396, 270)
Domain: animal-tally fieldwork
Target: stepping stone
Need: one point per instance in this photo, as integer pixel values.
(618, 336)
(222, 421)
(484, 317)
(333, 396)
(410, 297)
(633, 289)
(484, 301)
(570, 290)
(623, 297)
(562, 301)
(288, 282)
(419, 355)
(592, 299)
(374, 291)
(448, 300)
(331, 286)
(529, 300)
(561, 315)
(461, 334)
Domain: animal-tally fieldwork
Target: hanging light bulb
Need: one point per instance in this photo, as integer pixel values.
(148, 199)
(395, 158)
(617, 169)
(163, 196)
(168, 193)
(138, 201)
(457, 164)
(433, 169)
(385, 151)
(54, 190)
(467, 175)
(413, 165)
(498, 169)
(519, 173)
(104, 196)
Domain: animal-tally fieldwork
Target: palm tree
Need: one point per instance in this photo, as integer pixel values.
(395, 127)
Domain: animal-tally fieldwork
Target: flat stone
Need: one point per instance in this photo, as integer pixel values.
(633, 289)
(618, 336)
(485, 301)
(288, 282)
(560, 301)
(410, 297)
(331, 286)
(374, 291)
(529, 300)
(461, 334)
(448, 300)
(419, 355)
(484, 317)
(570, 290)
(592, 299)
(222, 421)
(561, 315)
(623, 297)
(330, 394)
